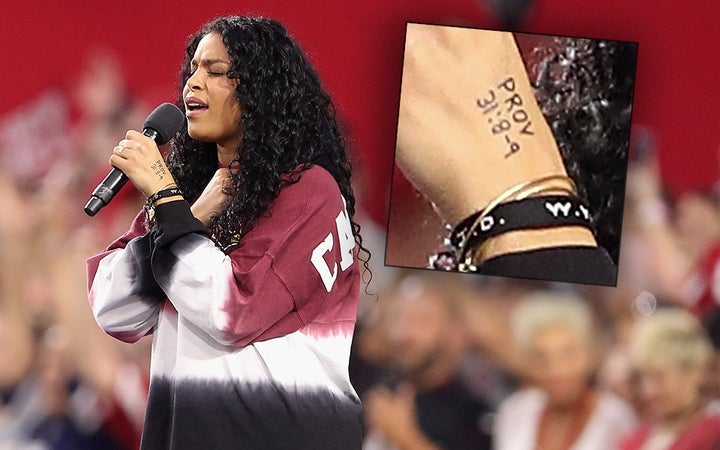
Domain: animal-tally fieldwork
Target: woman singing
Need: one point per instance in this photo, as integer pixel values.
(244, 265)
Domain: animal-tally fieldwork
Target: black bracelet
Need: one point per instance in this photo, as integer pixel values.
(530, 213)
(163, 193)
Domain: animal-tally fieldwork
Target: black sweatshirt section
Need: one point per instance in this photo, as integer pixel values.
(174, 220)
(144, 284)
(571, 264)
(229, 415)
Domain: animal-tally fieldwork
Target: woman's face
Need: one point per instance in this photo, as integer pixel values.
(212, 110)
(561, 363)
(668, 390)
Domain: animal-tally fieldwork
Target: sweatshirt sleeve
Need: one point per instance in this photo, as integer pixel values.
(571, 264)
(282, 274)
(123, 294)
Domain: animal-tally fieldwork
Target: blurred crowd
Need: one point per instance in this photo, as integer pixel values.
(470, 362)
(449, 361)
(440, 360)
(64, 384)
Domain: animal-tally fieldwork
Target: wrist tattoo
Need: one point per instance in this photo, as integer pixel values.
(158, 168)
(510, 119)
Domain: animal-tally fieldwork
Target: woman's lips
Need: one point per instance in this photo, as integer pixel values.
(194, 107)
(190, 113)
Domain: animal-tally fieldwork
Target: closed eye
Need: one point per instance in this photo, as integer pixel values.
(211, 65)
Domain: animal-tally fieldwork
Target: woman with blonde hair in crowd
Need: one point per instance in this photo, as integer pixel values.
(561, 409)
(671, 354)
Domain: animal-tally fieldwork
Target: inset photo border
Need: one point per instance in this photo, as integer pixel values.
(511, 154)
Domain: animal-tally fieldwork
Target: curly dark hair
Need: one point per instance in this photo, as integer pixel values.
(288, 125)
(585, 89)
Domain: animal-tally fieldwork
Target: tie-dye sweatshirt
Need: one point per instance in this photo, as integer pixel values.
(251, 344)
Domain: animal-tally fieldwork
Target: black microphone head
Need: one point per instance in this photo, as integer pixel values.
(166, 120)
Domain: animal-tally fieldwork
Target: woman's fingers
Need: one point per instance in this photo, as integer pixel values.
(139, 158)
(137, 136)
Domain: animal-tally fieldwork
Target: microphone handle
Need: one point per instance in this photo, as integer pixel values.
(111, 185)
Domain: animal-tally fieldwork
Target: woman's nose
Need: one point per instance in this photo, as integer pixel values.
(194, 83)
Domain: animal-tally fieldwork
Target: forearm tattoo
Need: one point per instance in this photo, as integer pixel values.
(159, 169)
(506, 115)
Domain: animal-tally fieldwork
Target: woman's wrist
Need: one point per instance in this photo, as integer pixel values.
(538, 158)
(168, 193)
(465, 136)
(473, 198)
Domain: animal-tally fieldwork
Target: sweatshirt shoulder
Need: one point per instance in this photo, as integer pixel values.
(319, 177)
(315, 188)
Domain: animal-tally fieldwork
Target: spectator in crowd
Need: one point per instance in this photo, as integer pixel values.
(561, 409)
(678, 244)
(429, 405)
(671, 354)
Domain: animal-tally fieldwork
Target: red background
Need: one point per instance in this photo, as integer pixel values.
(357, 48)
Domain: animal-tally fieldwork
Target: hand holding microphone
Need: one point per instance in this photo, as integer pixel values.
(138, 158)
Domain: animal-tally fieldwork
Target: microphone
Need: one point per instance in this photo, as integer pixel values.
(160, 126)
